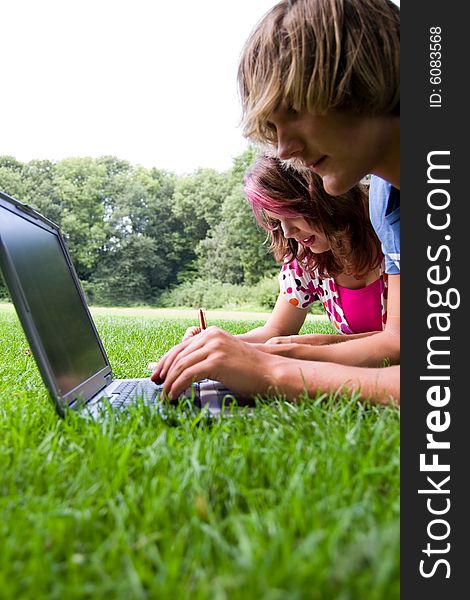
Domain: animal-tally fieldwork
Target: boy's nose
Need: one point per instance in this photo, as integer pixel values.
(288, 147)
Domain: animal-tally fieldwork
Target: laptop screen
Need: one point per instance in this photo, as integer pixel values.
(53, 300)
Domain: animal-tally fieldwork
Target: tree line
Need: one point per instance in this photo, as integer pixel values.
(134, 232)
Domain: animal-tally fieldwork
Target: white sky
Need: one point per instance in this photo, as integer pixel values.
(149, 81)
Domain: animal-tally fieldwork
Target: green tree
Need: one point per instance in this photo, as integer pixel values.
(41, 189)
(32, 182)
(241, 165)
(139, 257)
(235, 250)
(197, 203)
(11, 177)
(133, 232)
(82, 187)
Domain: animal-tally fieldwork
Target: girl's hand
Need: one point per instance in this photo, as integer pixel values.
(191, 332)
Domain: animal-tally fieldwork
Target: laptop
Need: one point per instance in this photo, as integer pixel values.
(51, 306)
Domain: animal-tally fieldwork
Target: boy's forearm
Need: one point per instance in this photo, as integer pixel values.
(379, 385)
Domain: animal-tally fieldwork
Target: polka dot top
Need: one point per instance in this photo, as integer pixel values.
(349, 311)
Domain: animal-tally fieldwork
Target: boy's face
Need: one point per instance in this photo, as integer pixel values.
(340, 147)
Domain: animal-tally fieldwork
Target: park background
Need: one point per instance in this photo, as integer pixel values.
(141, 236)
(120, 122)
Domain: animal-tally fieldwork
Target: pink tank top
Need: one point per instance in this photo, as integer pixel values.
(362, 308)
(349, 311)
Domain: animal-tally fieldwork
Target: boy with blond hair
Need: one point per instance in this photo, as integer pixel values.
(319, 85)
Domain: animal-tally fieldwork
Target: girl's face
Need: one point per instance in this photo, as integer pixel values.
(300, 230)
(340, 147)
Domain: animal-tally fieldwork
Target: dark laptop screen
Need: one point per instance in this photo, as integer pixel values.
(54, 302)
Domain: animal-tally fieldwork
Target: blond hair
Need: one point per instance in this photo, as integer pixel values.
(318, 56)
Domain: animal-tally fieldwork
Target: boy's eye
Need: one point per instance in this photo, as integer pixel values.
(270, 133)
(291, 110)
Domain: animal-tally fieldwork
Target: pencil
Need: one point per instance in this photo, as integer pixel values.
(202, 319)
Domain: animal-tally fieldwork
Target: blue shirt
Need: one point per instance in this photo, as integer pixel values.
(384, 209)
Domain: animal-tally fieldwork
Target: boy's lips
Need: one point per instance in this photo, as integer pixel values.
(316, 163)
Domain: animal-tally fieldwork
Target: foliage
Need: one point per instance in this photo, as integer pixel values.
(235, 249)
(214, 294)
(139, 257)
(135, 233)
(242, 164)
(209, 293)
(3, 290)
(295, 501)
(203, 292)
(196, 205)
(266, 292)
(197, 201)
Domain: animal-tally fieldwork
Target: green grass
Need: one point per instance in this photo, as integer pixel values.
(297, 501)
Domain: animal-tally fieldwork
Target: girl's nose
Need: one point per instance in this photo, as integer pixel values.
(288, 229)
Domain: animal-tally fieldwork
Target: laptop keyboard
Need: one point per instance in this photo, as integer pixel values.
(127, 391)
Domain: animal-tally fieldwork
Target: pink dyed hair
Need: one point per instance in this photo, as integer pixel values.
(272, 186)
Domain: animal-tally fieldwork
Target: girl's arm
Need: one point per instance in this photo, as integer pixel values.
(370, 351)
(284, 320)
(319, 339)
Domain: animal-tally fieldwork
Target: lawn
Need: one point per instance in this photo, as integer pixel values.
(295, 501)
